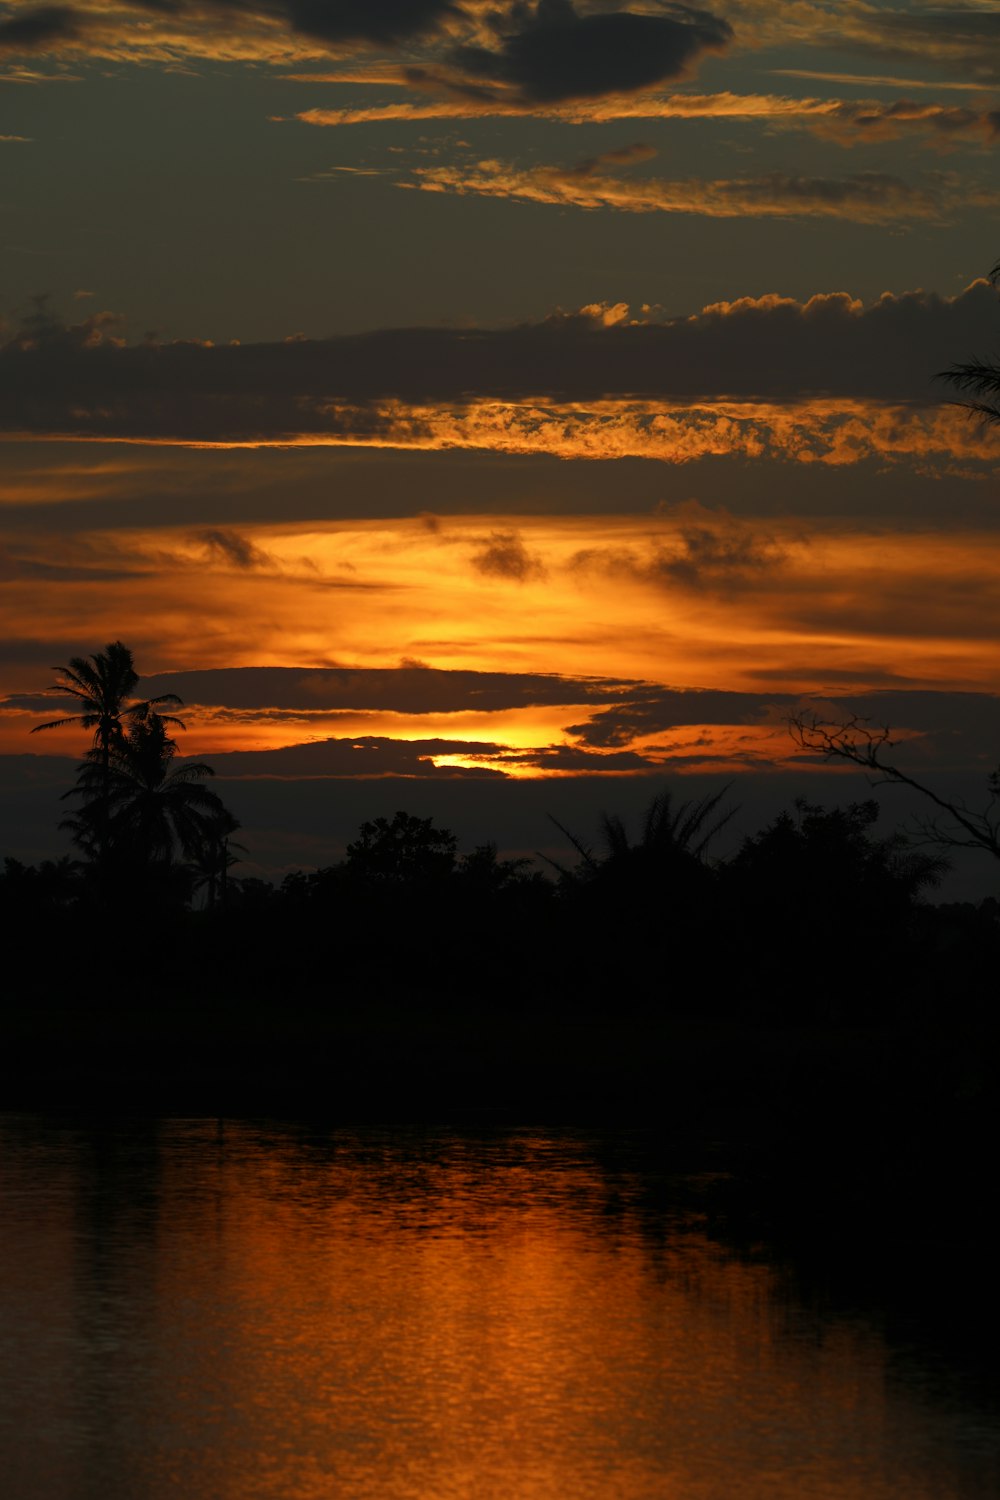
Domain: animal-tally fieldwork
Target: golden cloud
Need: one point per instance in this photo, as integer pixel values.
(863, 197)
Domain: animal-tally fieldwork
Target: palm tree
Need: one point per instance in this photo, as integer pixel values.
(671, 834)
(103, 685)
(214, 856)
(137, 806)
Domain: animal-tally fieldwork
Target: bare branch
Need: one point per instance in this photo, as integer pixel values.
(865, 745)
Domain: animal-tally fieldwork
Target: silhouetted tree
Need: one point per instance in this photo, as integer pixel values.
(869, 747)
(405, 851)
(214, 855)
(673, 837)
(821, 908)
(138, 805)
(103, 686)
(483, 872)
(53, 885)
(630, 902)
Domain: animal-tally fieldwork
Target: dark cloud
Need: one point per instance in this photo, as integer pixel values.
(229, 546)
(709, 555)
(708, 552)
(953, 25)
(504, 555)
(363, 756)
(37, 30)
(574, 758)
(15, 569)
(405, 690)
(75, 380)
(954, 728)
(27, 651)
(661, 709)
(377, 22)
(553, 53)
(339, 23)
(620, 156)
(964, 40)
(375, 756)
(883, 121)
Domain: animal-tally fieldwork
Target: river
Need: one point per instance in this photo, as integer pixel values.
(259, 1310)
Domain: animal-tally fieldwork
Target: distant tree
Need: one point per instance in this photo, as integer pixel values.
(832, 861)
(483, 872)
(822, 914)
(54, 884)
(214, 855)
(405, 851)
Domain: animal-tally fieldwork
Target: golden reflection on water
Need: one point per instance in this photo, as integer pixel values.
(246, 1313)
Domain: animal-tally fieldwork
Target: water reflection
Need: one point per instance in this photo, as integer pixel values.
(249, 1310)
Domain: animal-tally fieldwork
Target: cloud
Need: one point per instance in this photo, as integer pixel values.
(15, 568)
(551, 52)
(504, 555)
(364, 756)
(962, 39)
(864, 197)
(847, 122)
(622, 156)
(889, 81)
(404, 690)
(280, 31)
(229, 546)
(538, 56)
(548, 49)
(375, 22)
(951, 728)
(368, 757)
(829, 379)
(859, 122)
(709, 555)
(959, 36)
(37, 30)
(709, 551)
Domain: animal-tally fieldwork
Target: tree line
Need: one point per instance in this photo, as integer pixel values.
(817, 914)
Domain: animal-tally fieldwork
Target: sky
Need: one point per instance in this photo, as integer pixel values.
(500, 411)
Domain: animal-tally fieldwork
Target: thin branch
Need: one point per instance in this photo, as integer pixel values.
(861, 744)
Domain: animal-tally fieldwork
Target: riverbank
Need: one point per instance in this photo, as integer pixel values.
(876, 1117)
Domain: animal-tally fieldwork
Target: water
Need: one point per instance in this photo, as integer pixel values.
(258, 1312)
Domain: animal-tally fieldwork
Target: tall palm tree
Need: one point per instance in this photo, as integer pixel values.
(141, 808)
(103, 685)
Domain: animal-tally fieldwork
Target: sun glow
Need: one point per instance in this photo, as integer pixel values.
(691, 597)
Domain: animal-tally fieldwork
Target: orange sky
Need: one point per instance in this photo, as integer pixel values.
(692, 599)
